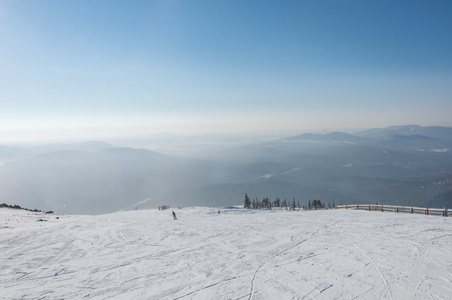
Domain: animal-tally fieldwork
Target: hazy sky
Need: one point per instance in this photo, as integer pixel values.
(106, 68)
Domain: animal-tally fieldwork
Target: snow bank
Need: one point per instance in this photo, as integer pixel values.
(237, 254)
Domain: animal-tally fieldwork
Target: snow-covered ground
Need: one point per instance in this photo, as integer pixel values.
(238, 254)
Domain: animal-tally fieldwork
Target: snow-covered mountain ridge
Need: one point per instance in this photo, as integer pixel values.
(237, 254)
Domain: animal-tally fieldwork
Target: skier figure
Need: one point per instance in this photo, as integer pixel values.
(174, 215)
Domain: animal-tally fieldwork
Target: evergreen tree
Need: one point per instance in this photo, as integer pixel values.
(317, 204)
(265, 203)
(247, 202)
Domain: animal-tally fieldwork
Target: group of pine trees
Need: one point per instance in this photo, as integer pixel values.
(266, 203)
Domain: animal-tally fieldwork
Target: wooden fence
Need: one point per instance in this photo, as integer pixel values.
(398, 209)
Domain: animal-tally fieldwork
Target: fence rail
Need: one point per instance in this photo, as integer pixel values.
(398, 209)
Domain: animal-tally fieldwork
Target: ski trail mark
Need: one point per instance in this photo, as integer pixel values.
(324, 289)
(207, 287)
(376, 267)
(290, 247)
(252, 282)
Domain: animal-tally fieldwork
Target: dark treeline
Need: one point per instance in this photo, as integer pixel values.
(266, 203)
(19, 207)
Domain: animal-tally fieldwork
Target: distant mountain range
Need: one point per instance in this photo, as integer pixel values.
(442, 133)
(8, 154)
(400, 165)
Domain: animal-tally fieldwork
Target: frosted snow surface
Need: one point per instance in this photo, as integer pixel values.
(238, 254)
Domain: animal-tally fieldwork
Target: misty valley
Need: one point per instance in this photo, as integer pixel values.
(399, 165)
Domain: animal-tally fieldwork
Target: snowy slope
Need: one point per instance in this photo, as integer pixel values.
(235, 255)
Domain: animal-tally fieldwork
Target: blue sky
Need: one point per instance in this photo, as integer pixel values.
(92, 69)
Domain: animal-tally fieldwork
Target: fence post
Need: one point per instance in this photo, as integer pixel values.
(368, 207)
(426, 211)
(381, 206)
(411, 210)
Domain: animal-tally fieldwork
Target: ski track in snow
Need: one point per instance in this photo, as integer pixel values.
(376, 267)
(238, 254)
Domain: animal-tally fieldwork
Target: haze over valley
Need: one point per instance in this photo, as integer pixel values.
(401, 165)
